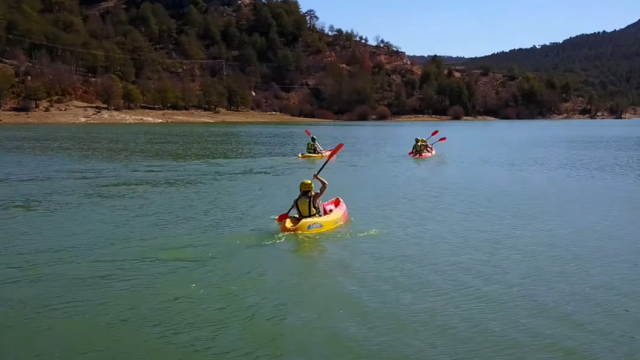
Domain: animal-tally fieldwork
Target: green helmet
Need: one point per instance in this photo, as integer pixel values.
(313, 139)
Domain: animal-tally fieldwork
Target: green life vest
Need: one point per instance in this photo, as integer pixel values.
(311, 148)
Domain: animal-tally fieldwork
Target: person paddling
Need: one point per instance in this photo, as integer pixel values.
(416, 147)
(313, 147)
(422, 147)
(426, 147)
(308, 203)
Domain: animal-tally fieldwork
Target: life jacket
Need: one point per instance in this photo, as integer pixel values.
(311, 148)
(419, 148)
(416, 148)
(306, 207)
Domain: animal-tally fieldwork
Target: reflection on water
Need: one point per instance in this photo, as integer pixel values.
(307, 245)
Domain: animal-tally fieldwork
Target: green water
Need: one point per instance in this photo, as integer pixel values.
(518, 240)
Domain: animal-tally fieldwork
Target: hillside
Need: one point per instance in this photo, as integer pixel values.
(244, 54)
(607, 62)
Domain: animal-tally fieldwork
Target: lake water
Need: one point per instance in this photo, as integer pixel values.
(518, 240)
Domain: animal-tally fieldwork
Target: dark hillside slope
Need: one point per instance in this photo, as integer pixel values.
(608, 62)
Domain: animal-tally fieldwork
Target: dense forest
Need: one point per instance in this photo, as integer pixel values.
(606, 62)
(261, 55)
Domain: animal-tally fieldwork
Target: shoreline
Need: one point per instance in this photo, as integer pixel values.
(97, 115)
(79, 113)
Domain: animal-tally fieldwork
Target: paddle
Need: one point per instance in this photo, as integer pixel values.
(442, 139)
(309, 134)
(335, 151)
(433, 134)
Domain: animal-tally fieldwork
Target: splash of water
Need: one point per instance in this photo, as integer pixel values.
(350, 234)
(277, 238)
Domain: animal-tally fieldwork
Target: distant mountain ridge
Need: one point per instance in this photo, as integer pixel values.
(607, 61)
(421, 59)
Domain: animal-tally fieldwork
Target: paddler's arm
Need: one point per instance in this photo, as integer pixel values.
(323, 188)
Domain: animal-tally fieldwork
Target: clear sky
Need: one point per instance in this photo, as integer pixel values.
(473, 27)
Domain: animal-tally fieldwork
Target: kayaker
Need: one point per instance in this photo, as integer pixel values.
(308, 203)
(416, 147)
(426, 147)
(421, 148)
(313, 147)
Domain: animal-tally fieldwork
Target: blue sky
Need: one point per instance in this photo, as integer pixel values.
(474, 27)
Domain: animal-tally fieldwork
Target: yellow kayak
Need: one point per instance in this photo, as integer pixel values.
(336, 215)
(322, 155)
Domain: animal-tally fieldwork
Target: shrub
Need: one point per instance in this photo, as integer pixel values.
(509, 114)
(25, 105)
(524, 113)
(456, 112)
(383, 113)
(350, 116)
(362, 113)
(257, 103)
(324, 114)
(307, 111)
(512, 74)
(276, 92)
(289, 109)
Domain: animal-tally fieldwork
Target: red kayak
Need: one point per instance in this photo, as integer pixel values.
(423, 155)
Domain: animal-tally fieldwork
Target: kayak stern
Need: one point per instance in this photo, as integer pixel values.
(336, 215)
(315, 156)
(424, 155)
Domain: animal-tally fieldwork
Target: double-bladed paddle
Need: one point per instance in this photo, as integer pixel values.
(335, 151)
(442, 139)
(433, 134)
